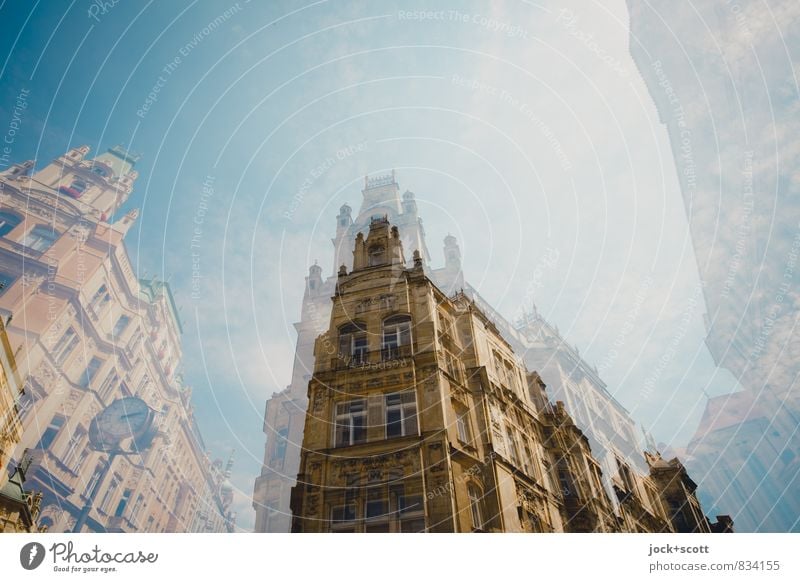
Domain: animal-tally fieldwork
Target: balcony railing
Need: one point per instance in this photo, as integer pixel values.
(389, 353)
(361, 359)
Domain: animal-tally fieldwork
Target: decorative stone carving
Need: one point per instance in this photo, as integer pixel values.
(32, 279)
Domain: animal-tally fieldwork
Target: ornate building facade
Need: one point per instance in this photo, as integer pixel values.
(610, 430)
(733, 140)
(422, 418)
(86, 331)
(19, 508)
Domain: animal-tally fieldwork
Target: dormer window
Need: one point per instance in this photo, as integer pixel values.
(377, 256)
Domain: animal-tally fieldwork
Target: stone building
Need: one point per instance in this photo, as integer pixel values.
(611, 431)
(10, 389)
(422, 418)
(87, 331)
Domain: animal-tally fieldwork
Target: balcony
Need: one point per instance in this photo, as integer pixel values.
(391, 353)
(390, 356)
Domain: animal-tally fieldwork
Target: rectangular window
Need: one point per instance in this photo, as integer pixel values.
(279, 453)
(475, 507)
(123, 502)
(50, 433)
(565, 480)
(74, 457)
(100, 298)
(65, 345)
(109, 385)
(377, 504)
(120, 326)
(110, 492)
(396, 337)
(350, 423)
(136, 507)
(90, 372)
(401, 414)
(6, 280)
(358, 349)
(512, 446)
(463, 426)
(40, 238)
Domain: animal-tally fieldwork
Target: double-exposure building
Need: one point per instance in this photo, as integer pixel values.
(604, 423)
(86, 331)
(732, 126)
(422, 418)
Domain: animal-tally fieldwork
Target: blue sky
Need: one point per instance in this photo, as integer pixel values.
(524, 130)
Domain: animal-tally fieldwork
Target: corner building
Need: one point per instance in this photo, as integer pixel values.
(85, 331)
(422, 418)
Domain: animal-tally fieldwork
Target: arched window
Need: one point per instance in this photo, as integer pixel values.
(377, 255)
(396, 339)
(475, 506)
(8, 220)
(353, 343)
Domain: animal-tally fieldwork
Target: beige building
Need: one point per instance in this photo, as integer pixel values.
(19, 508)
(86, 331)
(422, 418)
(610, 430)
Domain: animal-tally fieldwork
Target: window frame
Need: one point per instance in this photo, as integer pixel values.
(48, 235)
(352, 427)
(15, 221)
(408, 423)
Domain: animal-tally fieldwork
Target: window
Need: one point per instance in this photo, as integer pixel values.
(401, 414)
(120, 326)
(396, 335)
(50, 433)
(40, 238)
(376, 507)
(123, 502)
(343, 518)
(626, 476)
(6, 280)
(280, 445)
(75, 453)
(476, 511)
(110, 492)
(109, 385)
(100, 298)
(351, 422)
(565, 479)
(511, 377)
(353, 343)
(513, 450)
(94, 481)
(463, 426)
(64, 345)
(90, 372)
(377, 256)
(136, 507)
(8, 221)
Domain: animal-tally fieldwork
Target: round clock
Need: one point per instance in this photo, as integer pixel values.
(124, 418)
